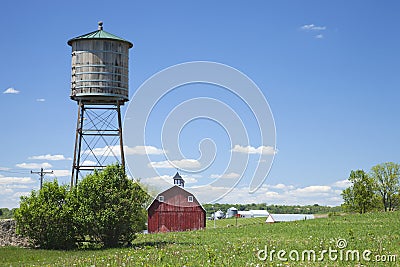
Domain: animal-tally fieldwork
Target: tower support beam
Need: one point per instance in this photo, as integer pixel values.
(98, 139)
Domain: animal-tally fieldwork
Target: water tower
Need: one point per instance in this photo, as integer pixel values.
(99, 85)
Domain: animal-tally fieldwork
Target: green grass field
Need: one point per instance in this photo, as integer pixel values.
(228, 245)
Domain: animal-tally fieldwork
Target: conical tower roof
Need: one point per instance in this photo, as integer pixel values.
(99, 34)
(177, 176)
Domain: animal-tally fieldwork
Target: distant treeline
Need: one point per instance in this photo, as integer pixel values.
(6, 213)
(280, 209)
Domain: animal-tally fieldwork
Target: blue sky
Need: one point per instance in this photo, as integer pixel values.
(328, 69)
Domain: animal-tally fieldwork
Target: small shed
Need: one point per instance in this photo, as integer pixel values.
(175, 209)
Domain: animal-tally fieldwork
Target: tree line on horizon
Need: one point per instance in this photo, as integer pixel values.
(377, 190)
(6, 213)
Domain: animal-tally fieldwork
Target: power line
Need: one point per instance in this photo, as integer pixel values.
(42, 174)
(10, 171)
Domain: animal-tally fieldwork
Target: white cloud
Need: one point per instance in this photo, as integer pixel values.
(99, 151)
(16, 180)
(231, 175)
(264, 150)
(62, 173)
(189, 179)
(24, 165)
(312, 27)
(156, 179)
(50, 157)
(319, 36)
(180, 164)
(6, 191)
(270, 194)
(88, 163)
(143, 150)
(281, 186)
(312, 190)
(17, 186)
(136, 150)
(11, 91)
(342, 184)
(20, 194)
(40, 100)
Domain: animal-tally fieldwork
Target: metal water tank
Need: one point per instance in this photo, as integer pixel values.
(100, 68)
(231, 212)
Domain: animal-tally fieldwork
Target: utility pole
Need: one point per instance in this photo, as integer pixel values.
(41, 174)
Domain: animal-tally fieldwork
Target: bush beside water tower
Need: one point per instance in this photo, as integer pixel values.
(46, 217)
(105, 209)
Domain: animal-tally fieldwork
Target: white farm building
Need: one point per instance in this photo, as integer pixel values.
(288, 217)
(253, 213)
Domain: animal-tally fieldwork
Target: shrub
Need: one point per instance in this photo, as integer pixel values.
(46, 218)
(106, 208)
(109, 207)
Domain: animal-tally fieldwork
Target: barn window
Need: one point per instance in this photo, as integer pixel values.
(190, 198)
(161, 198)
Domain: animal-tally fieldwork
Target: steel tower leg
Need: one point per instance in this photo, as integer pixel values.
(78, 145)
(121, 143)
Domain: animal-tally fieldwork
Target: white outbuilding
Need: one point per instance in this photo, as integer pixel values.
(288, 217)
(253, 213)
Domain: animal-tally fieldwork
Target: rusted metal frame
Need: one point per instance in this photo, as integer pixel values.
(91, 150)
(107, 152)
(95, 131)
(107, 123)
(94, 134)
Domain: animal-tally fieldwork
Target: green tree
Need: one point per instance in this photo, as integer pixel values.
(109, 207)
(45, 217)
(386, 177)
(359, 196)
(396, 200)
(348, 198)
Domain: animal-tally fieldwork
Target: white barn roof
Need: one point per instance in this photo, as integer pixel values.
(288, 217)
(254, 213)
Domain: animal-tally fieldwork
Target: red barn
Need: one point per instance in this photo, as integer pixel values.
(175, 209)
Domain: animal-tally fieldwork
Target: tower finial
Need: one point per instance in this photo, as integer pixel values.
(100, 25)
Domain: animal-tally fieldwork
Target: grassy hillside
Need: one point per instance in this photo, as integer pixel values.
(378, 233)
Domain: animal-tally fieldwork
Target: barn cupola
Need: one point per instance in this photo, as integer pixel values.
(178, 180)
